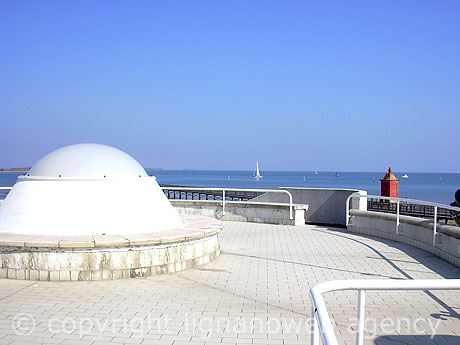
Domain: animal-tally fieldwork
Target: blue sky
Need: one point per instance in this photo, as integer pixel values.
(297, 85)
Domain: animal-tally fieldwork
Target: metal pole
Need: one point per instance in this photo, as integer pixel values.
(434, 225)
(397, 218)
(315, 330)
(223, 202)
(361, 304)
(347, 209)
(323, 320)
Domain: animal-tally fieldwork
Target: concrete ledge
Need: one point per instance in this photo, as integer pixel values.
(110, 257)
(243, 211)
(417, 232)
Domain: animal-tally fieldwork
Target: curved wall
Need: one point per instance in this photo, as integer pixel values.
(101, 257)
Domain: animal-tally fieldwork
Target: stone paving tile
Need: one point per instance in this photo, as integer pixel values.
(255, 292)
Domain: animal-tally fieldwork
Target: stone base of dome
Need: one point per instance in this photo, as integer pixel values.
(114, 257)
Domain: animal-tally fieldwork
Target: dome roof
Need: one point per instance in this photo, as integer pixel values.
(87, 161)
(87, 189)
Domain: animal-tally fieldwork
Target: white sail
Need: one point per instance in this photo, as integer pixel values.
(257, 174)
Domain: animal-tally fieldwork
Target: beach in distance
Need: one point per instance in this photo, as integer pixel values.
(435, 187)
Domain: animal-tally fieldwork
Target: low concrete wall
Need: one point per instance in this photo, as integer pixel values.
(102, 257)
(255, 212)
(417, 232)
(325, 205)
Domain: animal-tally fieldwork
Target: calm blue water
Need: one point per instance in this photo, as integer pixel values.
(436, 187)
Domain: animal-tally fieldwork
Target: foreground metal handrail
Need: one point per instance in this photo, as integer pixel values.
(223, 190)
(398, 201)
(322, 325)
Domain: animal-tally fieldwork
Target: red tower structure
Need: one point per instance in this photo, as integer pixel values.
(389, 185)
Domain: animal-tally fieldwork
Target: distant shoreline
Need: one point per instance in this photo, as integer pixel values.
(15, 170)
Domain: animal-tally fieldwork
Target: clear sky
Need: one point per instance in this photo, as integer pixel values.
(296, 85)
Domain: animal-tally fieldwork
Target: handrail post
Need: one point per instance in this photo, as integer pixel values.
(397, 218)
(434, 225)
(361, 304)
(291, 206)
(323, 321)
(347, 209)
(223, 202)
(315, 330)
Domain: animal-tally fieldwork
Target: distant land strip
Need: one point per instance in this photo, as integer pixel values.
(15, 169)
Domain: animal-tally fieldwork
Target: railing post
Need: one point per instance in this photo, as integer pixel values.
(434, 225)
(397, 218)
(361, 304)
(315, 331)
(323, 321)
(223, 202)
(347, 209)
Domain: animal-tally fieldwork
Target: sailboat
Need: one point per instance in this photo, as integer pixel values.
(257, 174)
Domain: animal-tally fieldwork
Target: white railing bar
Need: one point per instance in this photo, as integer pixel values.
(361, 306)
(410, 201)
(347, 209)
(347, 203)
(397, 218)
(321, 316)
(315, 337)
(322, 321)
(6, 188)
(291, 206)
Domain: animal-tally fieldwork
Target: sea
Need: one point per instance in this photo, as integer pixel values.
(434, 187)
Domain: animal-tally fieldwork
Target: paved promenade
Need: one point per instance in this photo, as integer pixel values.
(256, 292)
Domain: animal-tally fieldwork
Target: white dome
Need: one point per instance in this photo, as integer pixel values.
(87, 161)
(87, 189)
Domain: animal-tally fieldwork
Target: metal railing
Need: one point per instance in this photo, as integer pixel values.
(322, 325)
(407, 209)
(398, 203)
(223, 190)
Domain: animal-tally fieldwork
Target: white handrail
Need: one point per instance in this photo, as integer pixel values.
(322, 325)
(399, 200)
(223, 190)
